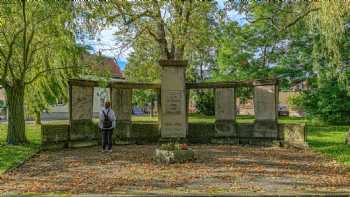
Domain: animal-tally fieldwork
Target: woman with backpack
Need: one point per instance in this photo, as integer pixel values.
(107, 124)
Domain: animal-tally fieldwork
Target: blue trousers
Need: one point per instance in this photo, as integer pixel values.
(107, 139)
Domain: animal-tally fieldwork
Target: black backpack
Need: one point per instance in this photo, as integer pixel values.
(106, 122)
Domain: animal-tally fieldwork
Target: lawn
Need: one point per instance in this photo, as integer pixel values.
(328, 140)
(12, 155)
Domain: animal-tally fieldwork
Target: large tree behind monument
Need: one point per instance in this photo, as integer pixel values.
(176, 26)
(36, 41)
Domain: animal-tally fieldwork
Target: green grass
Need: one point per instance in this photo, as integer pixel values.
(12, 155)
(330, 140)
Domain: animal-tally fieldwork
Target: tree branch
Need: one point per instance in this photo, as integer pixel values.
(49, 70)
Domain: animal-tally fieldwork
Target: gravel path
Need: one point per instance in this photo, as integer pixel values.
(217, 170)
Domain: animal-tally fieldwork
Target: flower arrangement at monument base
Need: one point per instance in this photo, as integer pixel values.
(174, 153)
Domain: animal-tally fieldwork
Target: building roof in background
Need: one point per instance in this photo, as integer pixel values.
(101, 64)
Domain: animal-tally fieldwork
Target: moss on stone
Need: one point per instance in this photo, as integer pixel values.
(81, 130)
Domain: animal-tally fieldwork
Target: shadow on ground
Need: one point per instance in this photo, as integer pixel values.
(217, 170)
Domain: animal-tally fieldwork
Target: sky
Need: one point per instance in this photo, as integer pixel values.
(105, 41)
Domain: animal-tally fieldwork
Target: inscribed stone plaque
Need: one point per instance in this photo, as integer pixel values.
(121, 103)
(82, 102)
(173, 101)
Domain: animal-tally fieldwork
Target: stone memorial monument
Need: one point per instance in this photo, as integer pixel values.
(173, 117)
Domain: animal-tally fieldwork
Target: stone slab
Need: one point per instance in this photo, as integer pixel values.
(83, 130)
(82, 103)
(225, 104)
(122, 103)
(265, 102)
(173, 101)
(52, 133)
(265, 107)
(225, 128)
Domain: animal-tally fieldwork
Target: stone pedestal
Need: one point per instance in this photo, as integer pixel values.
(173, 99)
(265, 107)
(82, 129)
(122, 106)
(225, 115)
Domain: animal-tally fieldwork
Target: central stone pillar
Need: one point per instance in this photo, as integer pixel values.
(173, 100)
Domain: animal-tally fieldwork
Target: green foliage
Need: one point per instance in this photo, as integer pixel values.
(205, 102)
(330, 103)
(38, 52)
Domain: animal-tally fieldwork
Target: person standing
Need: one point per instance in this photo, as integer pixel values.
(107, 124)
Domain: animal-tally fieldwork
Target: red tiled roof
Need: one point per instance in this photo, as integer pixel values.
(113, 67)
(103, 64)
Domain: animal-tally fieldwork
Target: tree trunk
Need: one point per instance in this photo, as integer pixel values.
(16, 123)
(38, 118)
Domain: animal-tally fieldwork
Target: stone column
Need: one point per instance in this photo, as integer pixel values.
(225, 112)
(173, 100)
(122, 106)
(265, 107)
(83, 132)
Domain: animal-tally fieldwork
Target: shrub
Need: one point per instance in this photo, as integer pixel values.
(329, 102)
(205, 102)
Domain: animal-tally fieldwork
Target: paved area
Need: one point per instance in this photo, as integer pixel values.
(218, 170)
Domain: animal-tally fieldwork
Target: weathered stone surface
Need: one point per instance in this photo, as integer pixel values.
(225, 112)
(245, 130)
(137, 132)
(173, 100)
(54, 146)
(225, 104)
(123, 130)
(144, 133)
(293, 135)
(122, 103)
(176, 156)
(225, 128)
(200, 132)
(265, 107)
(81, 130)
(265, 129)
(54, 133)
(82, 103)
(224, 140)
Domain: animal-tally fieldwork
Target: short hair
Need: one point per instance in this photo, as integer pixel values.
(107, 104)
